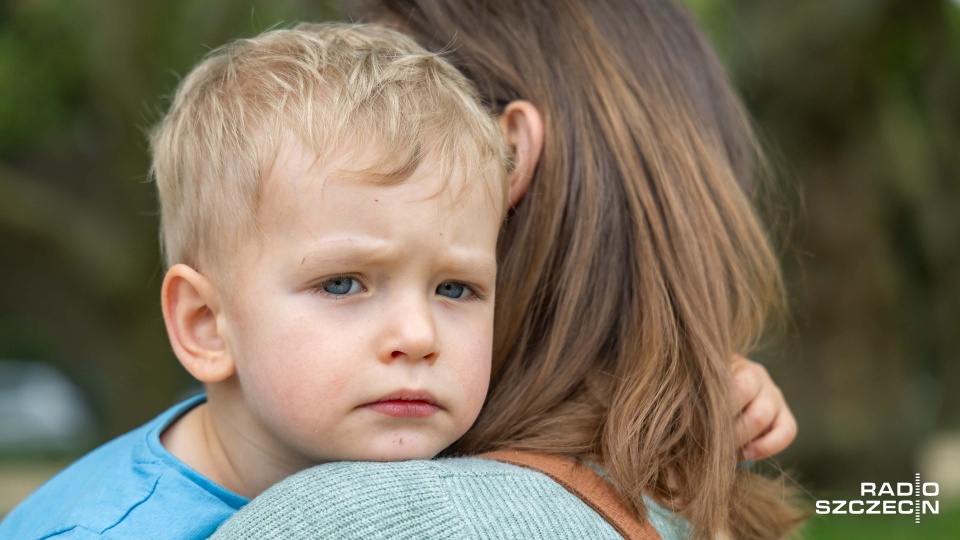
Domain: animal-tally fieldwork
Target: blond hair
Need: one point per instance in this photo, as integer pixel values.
(335, 87)
(635, 267)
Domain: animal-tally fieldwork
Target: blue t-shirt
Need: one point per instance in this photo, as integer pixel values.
(131, 487)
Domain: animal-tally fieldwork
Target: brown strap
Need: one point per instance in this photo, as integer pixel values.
(586, 484)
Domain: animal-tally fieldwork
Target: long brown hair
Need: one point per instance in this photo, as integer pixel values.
(635, 266)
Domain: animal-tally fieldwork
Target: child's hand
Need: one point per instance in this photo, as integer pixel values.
(764, 423)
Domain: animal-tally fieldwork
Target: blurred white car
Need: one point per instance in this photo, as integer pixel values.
(41, 410)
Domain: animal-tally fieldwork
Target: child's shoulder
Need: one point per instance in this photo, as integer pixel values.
(129, 487)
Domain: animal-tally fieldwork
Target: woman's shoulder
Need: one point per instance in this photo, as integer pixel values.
(444, 498)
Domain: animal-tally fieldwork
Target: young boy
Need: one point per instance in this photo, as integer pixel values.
(331, 197)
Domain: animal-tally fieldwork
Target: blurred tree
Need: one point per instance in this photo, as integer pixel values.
(859, 101)
(79, 83)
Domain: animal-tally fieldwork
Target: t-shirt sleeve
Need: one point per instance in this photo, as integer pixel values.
(75, 533)
(350, 500)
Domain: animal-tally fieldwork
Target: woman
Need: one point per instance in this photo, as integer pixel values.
(631, 268)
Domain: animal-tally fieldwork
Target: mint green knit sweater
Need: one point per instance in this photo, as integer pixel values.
(462, 498)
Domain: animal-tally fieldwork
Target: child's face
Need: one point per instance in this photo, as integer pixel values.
(361, 325)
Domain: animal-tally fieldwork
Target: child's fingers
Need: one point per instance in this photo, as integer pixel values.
(749, 379)
(759, 415)
(764, 424)
(781, 434)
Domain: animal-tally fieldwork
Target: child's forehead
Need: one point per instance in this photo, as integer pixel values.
(298, 168)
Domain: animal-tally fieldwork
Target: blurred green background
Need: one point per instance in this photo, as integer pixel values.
(857, 100)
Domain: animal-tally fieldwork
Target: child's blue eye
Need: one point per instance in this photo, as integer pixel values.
(452, 289)
(341, 285)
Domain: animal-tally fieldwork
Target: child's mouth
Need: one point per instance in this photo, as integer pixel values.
(405, 404)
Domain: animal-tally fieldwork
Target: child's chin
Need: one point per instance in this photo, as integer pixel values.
(407, 450)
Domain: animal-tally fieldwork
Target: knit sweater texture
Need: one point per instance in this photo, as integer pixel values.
(459, 498)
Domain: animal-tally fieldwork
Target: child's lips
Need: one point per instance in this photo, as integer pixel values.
(405, 404)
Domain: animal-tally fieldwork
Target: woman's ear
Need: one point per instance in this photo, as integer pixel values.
(522, 126)
(191, 305)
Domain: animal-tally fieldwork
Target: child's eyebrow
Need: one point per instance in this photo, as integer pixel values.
(475, 263)
(356, 250)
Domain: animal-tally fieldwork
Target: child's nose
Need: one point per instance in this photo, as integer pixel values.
(412, 335)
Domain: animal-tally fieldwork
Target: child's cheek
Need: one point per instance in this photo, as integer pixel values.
(474, 373)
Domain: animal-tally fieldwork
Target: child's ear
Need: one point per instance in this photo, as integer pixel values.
(191, 305)
(522, 126)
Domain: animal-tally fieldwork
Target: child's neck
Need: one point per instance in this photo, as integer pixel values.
(222, 453)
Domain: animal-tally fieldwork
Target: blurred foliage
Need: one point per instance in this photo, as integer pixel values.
(888, 527)
(856, 98)
(80, 81)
